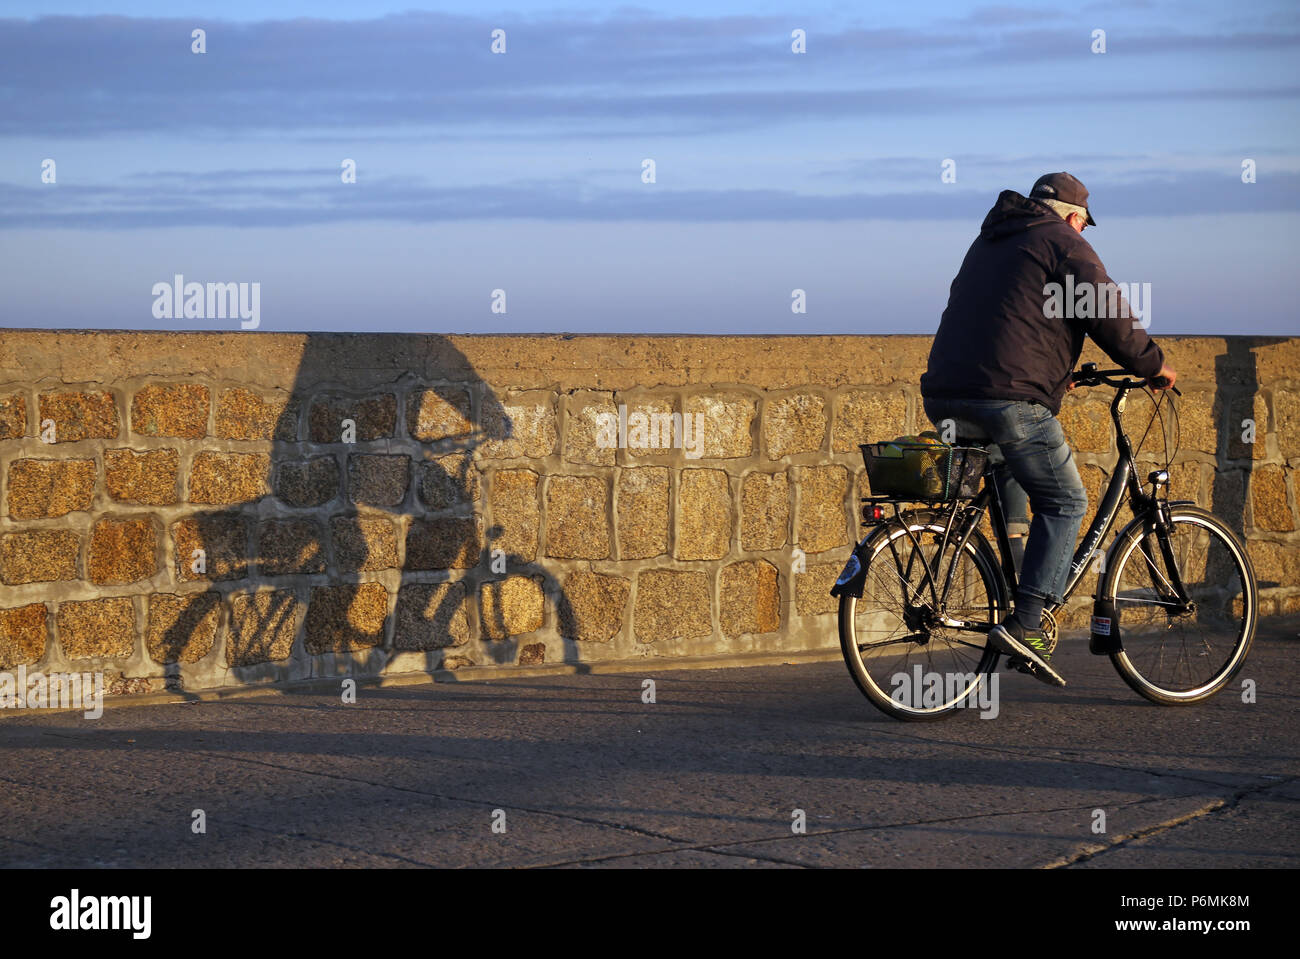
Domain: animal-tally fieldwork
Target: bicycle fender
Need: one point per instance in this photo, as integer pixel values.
(854, 574)
(1104, 635)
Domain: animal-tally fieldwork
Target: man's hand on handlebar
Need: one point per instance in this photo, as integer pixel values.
(1164, 380)
(1089, 375)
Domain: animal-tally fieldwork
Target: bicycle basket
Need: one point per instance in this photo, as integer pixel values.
(917, 468)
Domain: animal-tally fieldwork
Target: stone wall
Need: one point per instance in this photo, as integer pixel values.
(210, 510)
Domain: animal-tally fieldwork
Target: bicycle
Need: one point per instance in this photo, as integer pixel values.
(925, 586)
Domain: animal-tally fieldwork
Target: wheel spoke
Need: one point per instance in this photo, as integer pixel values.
(895, 628)
(1183, 652)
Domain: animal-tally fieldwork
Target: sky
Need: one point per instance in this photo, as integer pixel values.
(127, 159)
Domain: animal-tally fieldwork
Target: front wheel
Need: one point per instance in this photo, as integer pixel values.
(897, 639)
(1177, 653)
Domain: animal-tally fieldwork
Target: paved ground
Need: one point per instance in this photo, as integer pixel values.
(586, 774)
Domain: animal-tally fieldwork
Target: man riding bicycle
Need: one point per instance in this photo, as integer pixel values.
(1000, 364)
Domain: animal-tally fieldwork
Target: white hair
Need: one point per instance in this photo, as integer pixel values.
(1063, 208)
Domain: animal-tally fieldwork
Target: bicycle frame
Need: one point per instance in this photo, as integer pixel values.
(1124, 479)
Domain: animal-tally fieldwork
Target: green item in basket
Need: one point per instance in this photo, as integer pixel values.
(914, 465)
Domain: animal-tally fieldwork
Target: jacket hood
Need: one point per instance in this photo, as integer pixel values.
(1013, 213)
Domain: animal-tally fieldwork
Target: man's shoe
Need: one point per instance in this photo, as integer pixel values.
(1029, 649)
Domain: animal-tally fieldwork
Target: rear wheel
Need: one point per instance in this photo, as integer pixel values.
(899, 643)
(1180, 653)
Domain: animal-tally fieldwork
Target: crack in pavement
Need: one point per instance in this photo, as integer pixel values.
(720, 847)
(304, 837)
(1218, 806)
(445, 796)
(1010, 751)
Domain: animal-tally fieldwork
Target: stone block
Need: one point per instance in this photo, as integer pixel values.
(577, 517)
(378, 479)
(23, 632)
(704, 514)
(1247, 427)
(511, 607)
(450, 542)
(171, 409)
(41, 489)
(345, 618)
(1094, 482)
(289, 546)
(79, 416)
(123, 550)
(449, 482)
(1286, 410)
(362, 543)
(182, 629)
(431, 616)
(593, 606)
(438, 414)
(1198, 426)
(13, 416)
(222, 478)
(146, 477)
(262, 627)
(749, 598)
(532, 654)
(97, 628)
(671, 604)
(305, 483)
(1268, 498)
(38, 556)
(1185, 481)
(1276, 564)
(764, 510)
(1087, 425)
(822, 522)
(794, 424)
(812, 589)
(587, 437)
(723, 424)
(211, 547)
(1227, 496)
(642, 512)
(515, 509)
(869, 416)
(522, 425)
(374, 417)
(245, 415)
(652, 428)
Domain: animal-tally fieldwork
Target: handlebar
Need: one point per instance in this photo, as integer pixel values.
(1089, 375)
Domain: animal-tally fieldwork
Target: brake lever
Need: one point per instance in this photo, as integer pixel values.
(1155, 382)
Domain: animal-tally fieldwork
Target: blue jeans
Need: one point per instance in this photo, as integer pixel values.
(1034, 467)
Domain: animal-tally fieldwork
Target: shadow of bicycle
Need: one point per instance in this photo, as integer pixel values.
(366, 550)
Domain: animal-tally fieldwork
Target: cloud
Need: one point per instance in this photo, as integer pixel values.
(100, 76)
(200, 201)
(1002, 15)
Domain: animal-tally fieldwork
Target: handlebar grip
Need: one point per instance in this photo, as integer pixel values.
(1160, 382)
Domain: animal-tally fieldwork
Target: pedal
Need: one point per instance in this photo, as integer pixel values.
(1022, 665)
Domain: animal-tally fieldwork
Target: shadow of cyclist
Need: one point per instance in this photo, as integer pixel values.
(370, 543)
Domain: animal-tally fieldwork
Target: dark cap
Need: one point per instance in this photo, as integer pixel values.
(1063, 187)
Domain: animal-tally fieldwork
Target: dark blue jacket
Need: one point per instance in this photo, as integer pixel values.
(997, 338)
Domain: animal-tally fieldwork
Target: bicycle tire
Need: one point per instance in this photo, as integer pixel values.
(1212, 639)
(878, 679)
